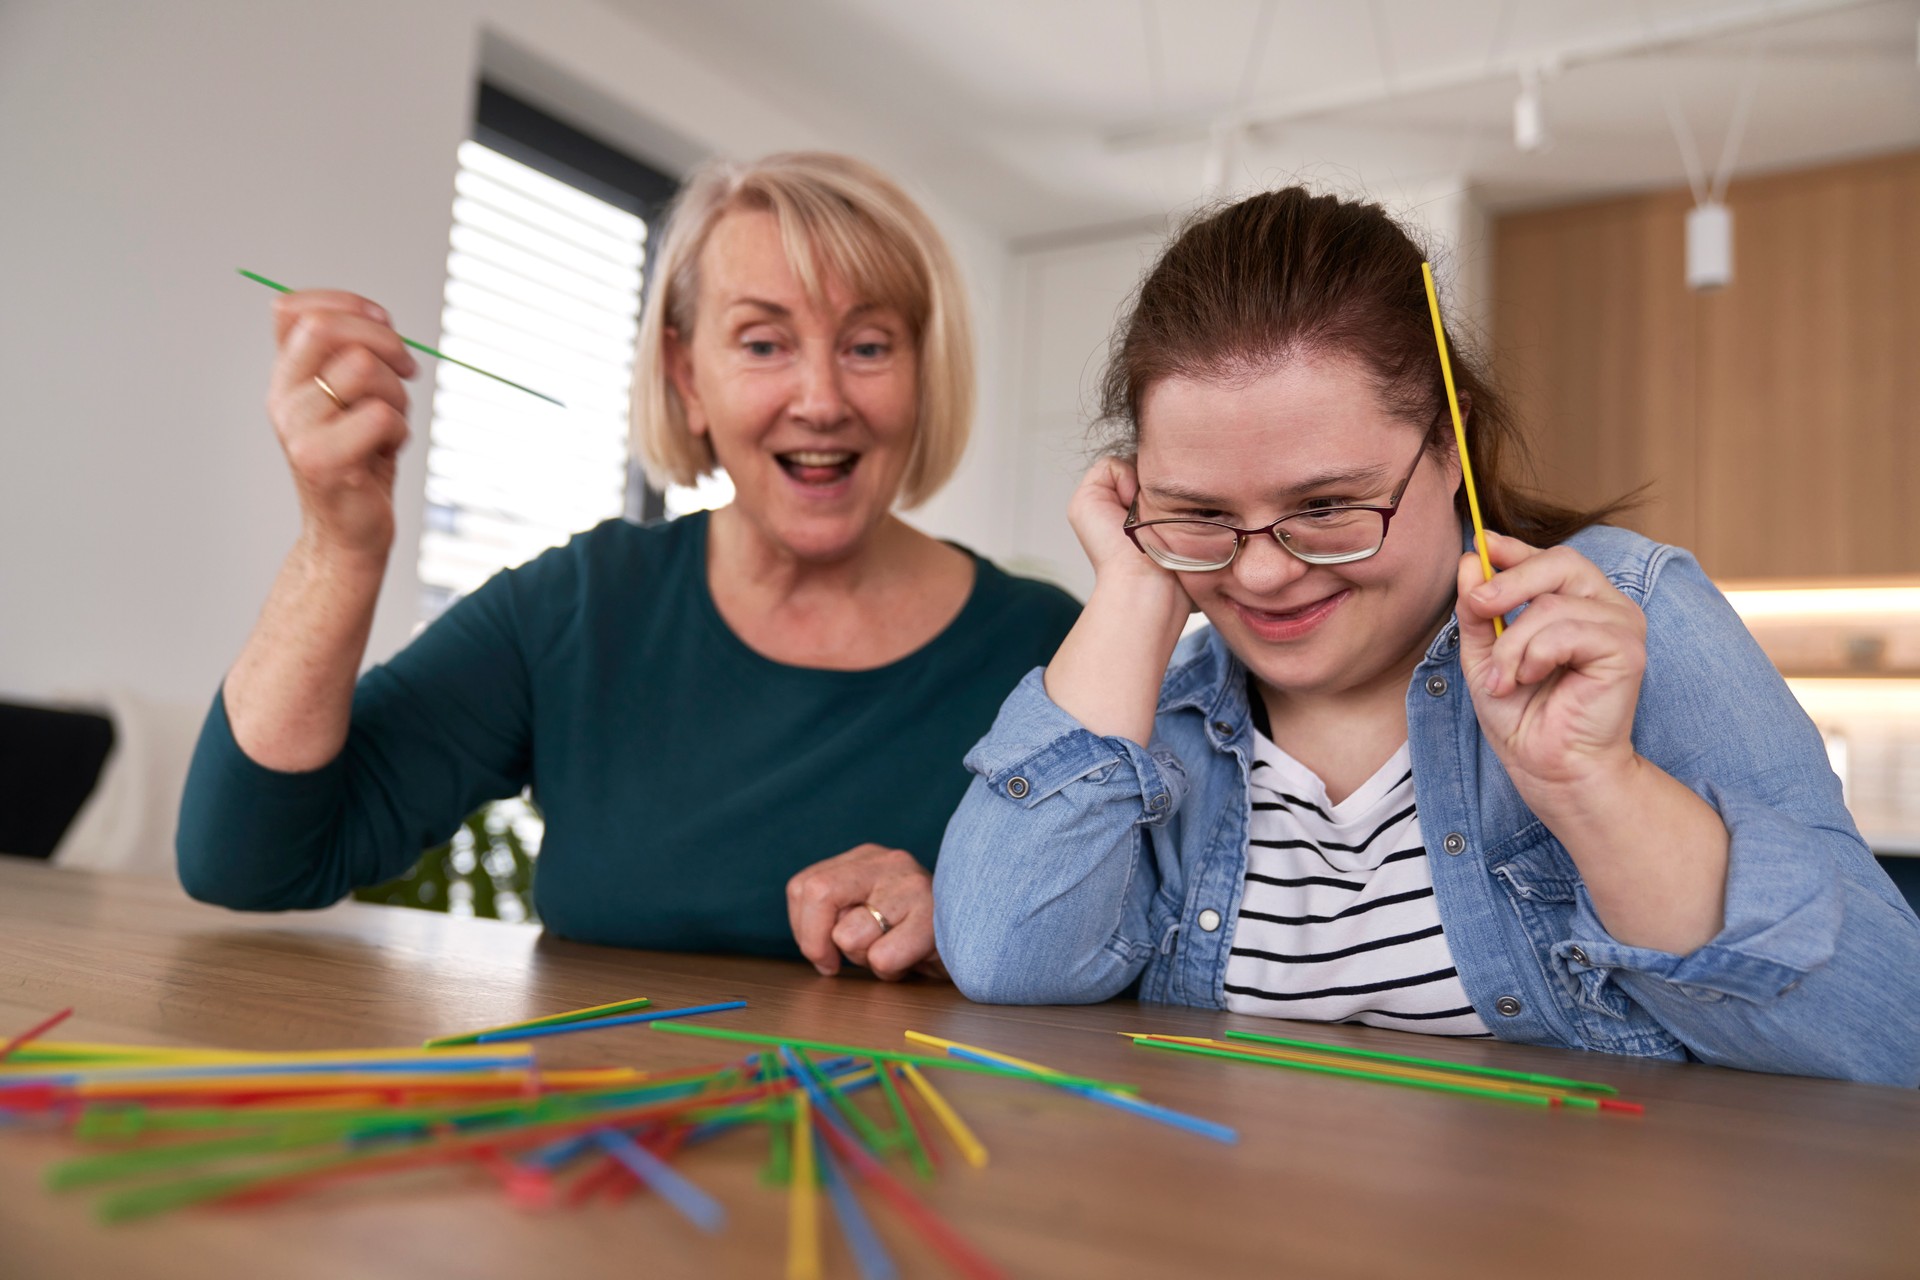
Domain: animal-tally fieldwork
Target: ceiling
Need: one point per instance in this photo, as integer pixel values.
(1042, 118)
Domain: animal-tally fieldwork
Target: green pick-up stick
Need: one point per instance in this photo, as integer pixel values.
(418, 346)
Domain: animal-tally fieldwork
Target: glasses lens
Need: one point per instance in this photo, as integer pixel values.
(1334, 536)
(1189, 545)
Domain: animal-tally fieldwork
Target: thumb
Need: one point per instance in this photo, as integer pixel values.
(1476, 626)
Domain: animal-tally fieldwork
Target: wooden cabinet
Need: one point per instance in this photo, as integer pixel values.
(1776, 421)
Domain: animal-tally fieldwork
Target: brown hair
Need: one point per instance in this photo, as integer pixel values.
(1288, 274)
(838, 216)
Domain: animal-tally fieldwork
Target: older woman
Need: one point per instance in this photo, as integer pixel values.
(744, 729)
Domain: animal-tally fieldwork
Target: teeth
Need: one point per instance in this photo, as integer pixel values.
(810, 459)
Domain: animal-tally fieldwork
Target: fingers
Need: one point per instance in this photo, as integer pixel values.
(339, 454)
(906, 947)
(815, 899)
(290, 308)
(1525, 573)
(1565, 632)
(318, 335)
(1123, 479)
(827, 906)
(1574, 617)
(1097, 513)
(356, 375)
(1476, 628)
(855, 931)
(334, 449)
(819, 893)
(1106, 491)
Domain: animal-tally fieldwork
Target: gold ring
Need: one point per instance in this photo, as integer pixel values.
(332, 395)
(877, 917)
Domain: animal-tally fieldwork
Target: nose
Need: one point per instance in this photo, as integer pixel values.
(1266, 568)
(818, 398)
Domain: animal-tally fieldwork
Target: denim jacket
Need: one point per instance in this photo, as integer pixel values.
(1080, 866)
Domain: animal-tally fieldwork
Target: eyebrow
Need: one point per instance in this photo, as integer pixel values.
(786, 313)
(1176, 492)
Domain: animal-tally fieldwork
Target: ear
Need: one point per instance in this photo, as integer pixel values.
(680, 375)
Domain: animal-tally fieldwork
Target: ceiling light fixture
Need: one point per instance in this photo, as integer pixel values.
(1709, 246)
(1529, 118)
(1221, 171)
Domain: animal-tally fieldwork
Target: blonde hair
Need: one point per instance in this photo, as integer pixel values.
(838, 217)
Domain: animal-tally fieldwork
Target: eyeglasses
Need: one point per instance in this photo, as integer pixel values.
(1323, 535)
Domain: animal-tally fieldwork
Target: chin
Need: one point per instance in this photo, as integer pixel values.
(823, 537)
(1310, 666)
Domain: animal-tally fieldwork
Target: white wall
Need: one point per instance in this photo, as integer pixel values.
(1067, 298)
(146, 150)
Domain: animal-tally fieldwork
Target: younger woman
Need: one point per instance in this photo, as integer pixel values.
(1347, 799)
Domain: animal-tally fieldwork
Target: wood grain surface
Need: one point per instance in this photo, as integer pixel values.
(1728, 1173)
(1774, 421)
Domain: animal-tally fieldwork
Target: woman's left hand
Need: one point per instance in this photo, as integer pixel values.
(1556, 693)
(832, 906)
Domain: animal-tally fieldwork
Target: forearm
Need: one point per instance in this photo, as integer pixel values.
(1031, 904)
(1108, 671)
(1653, 855)
(289, 697)
(1816, 970)
(1042, 889)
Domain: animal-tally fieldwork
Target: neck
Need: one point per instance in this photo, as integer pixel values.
(1345, 734)
(744, 555)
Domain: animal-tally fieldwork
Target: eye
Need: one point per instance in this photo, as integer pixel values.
(761, 348)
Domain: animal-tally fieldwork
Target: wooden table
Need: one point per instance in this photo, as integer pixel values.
(1728, 1173)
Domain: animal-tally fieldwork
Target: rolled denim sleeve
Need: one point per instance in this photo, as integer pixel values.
(1049, 864)
(1816, 969)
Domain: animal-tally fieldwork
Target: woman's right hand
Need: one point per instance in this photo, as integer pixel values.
(1108, 670)
(343, 460)
(1098, 514)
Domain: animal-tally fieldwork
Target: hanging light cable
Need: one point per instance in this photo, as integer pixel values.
(1710, 221)
(1225, 138)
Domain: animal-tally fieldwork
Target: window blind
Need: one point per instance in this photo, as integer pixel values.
(543, 287)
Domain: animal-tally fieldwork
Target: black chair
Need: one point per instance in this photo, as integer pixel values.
(50, 761)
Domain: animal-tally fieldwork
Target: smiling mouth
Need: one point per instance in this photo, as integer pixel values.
(818, 466)
(1291, 615)
(1279, 625)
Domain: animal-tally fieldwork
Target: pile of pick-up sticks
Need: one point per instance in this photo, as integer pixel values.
(186, 1127)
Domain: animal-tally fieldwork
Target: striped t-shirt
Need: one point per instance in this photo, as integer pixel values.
(1338, 921)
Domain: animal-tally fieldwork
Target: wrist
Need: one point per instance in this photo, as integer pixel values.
(323, 557)
(1145, 592)
(1599, 792)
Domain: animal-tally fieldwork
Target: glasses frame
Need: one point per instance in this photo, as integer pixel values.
(1134, 524)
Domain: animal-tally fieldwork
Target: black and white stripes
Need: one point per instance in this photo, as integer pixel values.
(1338, 922)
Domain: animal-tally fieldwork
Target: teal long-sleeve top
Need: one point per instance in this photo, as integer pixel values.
(683, 777)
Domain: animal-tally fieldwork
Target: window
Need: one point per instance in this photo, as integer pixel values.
(545, 271)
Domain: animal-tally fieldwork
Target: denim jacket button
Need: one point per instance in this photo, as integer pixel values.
(1578, 955)
(1454, 843)
(1436, 685)
(1208, 920)
(1017, 787)
(1507, 1006)
(1222, 728)
(1158, 802)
